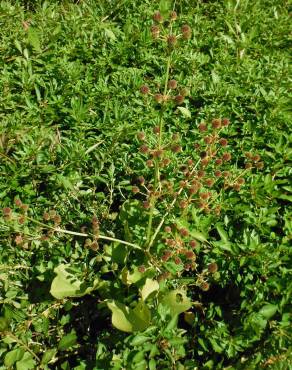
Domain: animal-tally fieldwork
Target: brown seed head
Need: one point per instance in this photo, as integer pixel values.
(146, 204)
(218, 173)
(57, 219)
(157, 153)
(193, 243)
(216, 123)
(201, 173)
(205, 286)
(218, 162)
(171, 40)
(205, 195)
(183, 204)
(241, 181)
(135, 189)
(156, 129)
(24, 207)
(190, 255)
(21, 220)
(167, 229)
(141, 269)
(256, 158)
(141, 180)
(226, 174)
(186, 31)
(166, 162)
(155, 31)
(213, 267)
(158, 98)
(157, 17)
(209, 182)
(183, 231)
(141, 135)
(6, 211)
(226, 156)
(208, 139)
(149, 163)
(173, 15)
(176, 148)
(172, 84)
(205, 161)
(202, 127)
(144, 149)
(144, 89)
(17, 202)
(260, 165)
(18, 239)
(179, 99)
(177, 261)
(236, 187)
(248, 165)
(223, 142)
(225, 122)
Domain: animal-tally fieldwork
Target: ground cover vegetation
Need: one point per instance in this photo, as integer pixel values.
(144, 189)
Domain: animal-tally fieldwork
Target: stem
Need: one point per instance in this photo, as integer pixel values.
(20, 342)
(57, 229)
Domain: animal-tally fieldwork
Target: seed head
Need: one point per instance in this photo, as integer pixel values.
(146, 204)
(144, 89)
(216, 123)
(256, 158)
(172, 84)
(248, 155)
(171, 40)
(186, 31)
(157, 17)
(201, 173)
(94, 246)
(193, 243)
(205, 195)
(141, 269)
(202, 127)
(176, 148)
(209, 182)
(173, 15)
(225, 122)
(177, 261)
(141, 136)
(7, 211)
(223, 142)
(218, 173)
(157, 153)
(193, 189)
(213, 267)
(183, 204)
(208, 139)
(155, 31)
(179, 99)
(144, 149)
(190, 255)
(241, 181)
(24, 207)
(248, 165)
(226, 174)
(18, 239)
(205, 161)
(17, 202)
(165, 162)
(218, 162)
(226, 156)
(158, 98)
(57, 219)
(141, 180)
(260, 165)
(166, 256)
(236, 187)
(135, 189)
(205, 286)
(167, 229)
(156, 129)
(149, 163)
(183, 231)
(21, 220)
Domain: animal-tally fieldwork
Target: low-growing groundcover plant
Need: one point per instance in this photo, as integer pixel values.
(145, 200)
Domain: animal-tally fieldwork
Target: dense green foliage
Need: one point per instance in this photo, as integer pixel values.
(70, 110)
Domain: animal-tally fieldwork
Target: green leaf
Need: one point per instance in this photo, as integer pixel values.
(67, 341)
(177, 301)
(48, 355)
(127, 319)
(268, 311)
(26, 363)
(33, 39)
(4, 323)
(65, 284)
(186, 113)
(149, 287)
(12, 356)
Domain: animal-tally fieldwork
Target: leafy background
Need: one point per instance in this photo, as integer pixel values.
(70, 111)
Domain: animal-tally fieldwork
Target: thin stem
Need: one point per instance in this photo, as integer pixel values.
(20, 342)
(57, 229)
